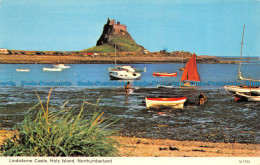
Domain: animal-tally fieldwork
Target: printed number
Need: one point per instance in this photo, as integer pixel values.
(244, 161)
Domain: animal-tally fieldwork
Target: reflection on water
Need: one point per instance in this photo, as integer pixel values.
(220, 119)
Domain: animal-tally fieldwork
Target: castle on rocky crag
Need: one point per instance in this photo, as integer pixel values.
(116, 27)
(112, 28)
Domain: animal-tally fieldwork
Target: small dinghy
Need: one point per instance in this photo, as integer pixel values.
(165, 102)
(164, 74)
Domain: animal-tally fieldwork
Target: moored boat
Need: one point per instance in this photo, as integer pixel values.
(164, 74)
(62, 66)
(165, 102)
(123, 75)
(247, 96)
(234, 89)
(123, 72)
(23, 70)
(190, 72)
(52, 69)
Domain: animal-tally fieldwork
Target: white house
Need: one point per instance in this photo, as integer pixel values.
(145, 51)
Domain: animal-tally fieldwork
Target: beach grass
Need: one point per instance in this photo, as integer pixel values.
(50, 132)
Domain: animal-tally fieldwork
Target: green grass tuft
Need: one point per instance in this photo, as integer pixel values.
(47, 132)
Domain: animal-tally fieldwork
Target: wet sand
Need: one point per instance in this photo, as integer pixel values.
(143, 147)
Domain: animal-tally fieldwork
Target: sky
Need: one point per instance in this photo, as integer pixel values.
(206, 27)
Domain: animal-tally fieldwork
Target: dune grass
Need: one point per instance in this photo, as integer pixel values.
(48, 132)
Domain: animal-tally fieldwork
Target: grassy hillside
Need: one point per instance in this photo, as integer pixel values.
(123, 43)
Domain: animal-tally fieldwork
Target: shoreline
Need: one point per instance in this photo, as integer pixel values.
(101, 59)
(144, 147)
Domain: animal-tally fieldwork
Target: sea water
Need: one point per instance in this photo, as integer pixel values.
(220, 119)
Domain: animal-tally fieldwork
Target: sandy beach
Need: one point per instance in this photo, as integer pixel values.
(142, 147)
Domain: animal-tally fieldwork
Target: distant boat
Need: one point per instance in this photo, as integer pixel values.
(52, 69)
(62, 66)
(247, 96)
(190, 72)
(181, 69)
(23, 70)
(165, 102)
(164, 74)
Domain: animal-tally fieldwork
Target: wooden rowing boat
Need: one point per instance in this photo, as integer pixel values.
(164, 74)
(165, 102)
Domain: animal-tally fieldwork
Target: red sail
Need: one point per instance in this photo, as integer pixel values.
(190, 72)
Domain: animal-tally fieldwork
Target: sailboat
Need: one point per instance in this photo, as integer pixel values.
(123, 72)
(190, 72)
(62, 66)
(233, 88)
(181, 69)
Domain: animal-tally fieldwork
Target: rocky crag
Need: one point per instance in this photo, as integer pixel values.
(115, 34)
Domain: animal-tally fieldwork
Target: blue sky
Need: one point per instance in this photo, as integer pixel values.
(207, 27)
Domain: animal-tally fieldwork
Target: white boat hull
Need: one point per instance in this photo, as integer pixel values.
(62, 66)
(234, 89)
(52, 69)
(247, 97)
(123, 75)
(23, 70)
(165, 102)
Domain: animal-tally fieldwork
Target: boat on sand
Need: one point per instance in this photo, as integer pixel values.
(234, 89)
(190, 72)
(159, 103)
(247, 96)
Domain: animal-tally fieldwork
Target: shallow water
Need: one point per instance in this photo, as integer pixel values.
(221, 119)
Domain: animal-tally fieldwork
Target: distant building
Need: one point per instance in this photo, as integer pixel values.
(4, 51)
(145, 51)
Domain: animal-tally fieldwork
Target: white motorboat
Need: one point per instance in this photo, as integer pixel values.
(62, 66)
(52, 69)
(165, 102)
(247, 96)
(136, 69)
(23, 70)
(124, 74)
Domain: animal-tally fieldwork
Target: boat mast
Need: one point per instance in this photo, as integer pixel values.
(115, 55)
(59, 57)
(239, 72)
